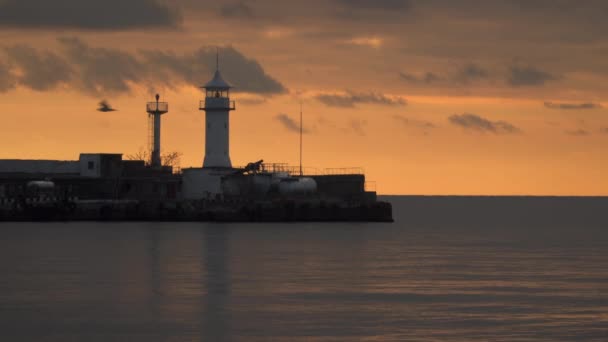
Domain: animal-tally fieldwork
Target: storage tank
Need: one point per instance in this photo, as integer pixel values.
(261, 184)
(247, 185)
(297, 186)
(42, 185)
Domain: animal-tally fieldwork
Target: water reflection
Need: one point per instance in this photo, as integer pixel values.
(299, 282)
(216, 260)
(189, 284)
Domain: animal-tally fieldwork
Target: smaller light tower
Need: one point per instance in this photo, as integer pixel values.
(155, 110)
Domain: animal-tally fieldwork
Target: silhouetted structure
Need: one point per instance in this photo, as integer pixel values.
(104, 186)
(155, 111)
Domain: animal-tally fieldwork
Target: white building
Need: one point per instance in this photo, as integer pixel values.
(217, 107)
(199, 183)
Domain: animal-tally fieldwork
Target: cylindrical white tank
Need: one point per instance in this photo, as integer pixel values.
(256, 185)
(41, 184)
(261, 184)
(297, 186)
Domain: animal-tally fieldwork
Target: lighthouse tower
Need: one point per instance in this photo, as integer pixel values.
(217, 107)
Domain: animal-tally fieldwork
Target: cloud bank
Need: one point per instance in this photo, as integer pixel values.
(89, 14)
(100, 70)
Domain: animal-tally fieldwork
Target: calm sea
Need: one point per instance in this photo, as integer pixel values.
(448, 269)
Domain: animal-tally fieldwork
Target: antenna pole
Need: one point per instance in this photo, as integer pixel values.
(217, 58)
(301, 131)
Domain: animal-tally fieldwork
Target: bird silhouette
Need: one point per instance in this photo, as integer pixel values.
(104, 106)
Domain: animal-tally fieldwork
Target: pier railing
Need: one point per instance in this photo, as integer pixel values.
(217, 104)
(308, 171)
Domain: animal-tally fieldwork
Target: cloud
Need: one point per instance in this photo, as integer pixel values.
(7, 80)
(477, 123)
(427, 78)
(37, 70)
(468, 73)
(414, 122)
(351, 99)
(237, 10)
(245, 74)
(103, 70)
(604, 130)
(471, 72)
(290, 124)
(528, 76)
(572, 106)
(578, 132)
(365, 10)
(384, 5)
(90, 14)
(99, 70)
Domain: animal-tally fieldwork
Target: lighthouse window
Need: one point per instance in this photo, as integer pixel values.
(91, 165)
(226, 126)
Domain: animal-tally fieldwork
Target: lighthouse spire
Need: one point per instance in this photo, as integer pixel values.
(217, 58)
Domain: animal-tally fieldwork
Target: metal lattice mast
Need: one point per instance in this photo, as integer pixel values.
(155, 111)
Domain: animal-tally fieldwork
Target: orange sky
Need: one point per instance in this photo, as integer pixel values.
(463, 130)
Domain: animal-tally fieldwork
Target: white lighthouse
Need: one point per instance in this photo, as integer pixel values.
(217, 107)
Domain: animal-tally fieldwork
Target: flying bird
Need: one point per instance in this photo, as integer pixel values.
(104, 106)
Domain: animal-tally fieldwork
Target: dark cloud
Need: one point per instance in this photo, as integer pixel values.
(238, 10)
(477, 123)
(89, 14)
(290, 124)
(98, 71)
(103, 70)
(471, 72)
(528, 76)
(414, 122)
(7, 79)
(385, 5)
(467, 74)
(578, 132)
(545, 5)
(351, 99)
(370, 10)
(38, 70)
(245, 74)
(427, 78)
(572, 106)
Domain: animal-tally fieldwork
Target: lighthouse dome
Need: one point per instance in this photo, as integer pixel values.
(217, 82)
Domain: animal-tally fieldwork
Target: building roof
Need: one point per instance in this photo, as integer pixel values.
(217, 82)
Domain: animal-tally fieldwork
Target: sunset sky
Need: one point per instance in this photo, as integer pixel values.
(489, 97)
